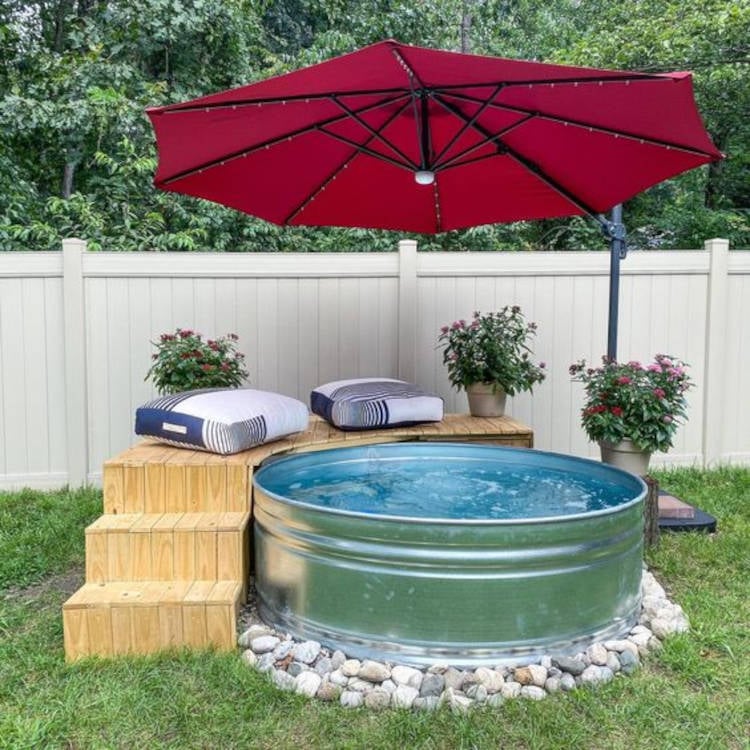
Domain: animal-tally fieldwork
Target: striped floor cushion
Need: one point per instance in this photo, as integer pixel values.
(221, 420)
(368, 403)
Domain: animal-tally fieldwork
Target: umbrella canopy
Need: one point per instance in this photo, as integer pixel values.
(401, 137)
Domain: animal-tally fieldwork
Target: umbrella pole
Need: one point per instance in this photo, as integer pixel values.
(615, 230)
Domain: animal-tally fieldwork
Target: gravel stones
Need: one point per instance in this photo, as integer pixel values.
(309, 669)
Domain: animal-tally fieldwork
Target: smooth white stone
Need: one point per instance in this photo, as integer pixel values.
(264, 643)
(597, 654)
(351, 667)
(307, 683)
(534, 692)
(306, 652)
(407, 676)
(492, 680)
(404, 696)
(374, 671)
(351, 699)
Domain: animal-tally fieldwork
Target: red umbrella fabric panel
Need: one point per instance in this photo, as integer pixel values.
(341, 143)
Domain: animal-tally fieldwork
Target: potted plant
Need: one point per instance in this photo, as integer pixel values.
(489, 357)
(632, 409)
(184, 361)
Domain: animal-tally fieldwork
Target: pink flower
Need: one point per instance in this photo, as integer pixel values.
(444, 329)
(624, 380)
(654, 368)
(659, 393)
(635, 365)
(542, 365)
(667, 419)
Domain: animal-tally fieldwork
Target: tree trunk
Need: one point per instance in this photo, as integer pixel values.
(651, 513)
(466, 20)
(67, 183)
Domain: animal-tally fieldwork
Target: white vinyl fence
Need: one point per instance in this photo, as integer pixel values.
(76, 327)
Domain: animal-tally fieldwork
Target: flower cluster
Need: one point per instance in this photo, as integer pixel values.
(641, 403)
(492, 348)
(184, 362)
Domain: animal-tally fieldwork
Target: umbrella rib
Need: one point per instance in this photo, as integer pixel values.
(554, 184)
(359, 148)
(375, 133)
(271, 142)
(587, 125)
(251, 102)
(467, 124)
(531, 166)
(176, 109)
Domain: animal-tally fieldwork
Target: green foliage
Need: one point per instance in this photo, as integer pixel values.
(185, 362)
(493, 348)
(643, 403)
(77, 153)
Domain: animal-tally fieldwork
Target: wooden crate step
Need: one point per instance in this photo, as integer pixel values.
(154, 478)
(168, 546)
(109, 619)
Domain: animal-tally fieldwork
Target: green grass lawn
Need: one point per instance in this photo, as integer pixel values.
(692, 694)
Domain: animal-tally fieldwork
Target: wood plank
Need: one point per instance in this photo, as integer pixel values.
(155, 480)
(119, 558)
(134, 488)
(113, 488)
(215, 498)
(206, 548)
(145, 628)
(122, 635)
(75, 634)
(175, 482)
(185, 547)
(238, 493)
(162, 547)
(99, 625)
(96, 556)
(230, 555)
(195, 632)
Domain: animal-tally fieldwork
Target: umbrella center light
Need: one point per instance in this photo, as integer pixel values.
(424, 177)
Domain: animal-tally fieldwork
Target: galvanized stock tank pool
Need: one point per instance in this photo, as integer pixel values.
(423, 553)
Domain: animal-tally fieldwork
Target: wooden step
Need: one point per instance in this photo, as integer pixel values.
(154, 478)
(108, 619)
(168, 547)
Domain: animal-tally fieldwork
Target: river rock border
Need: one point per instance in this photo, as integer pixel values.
(307, 668)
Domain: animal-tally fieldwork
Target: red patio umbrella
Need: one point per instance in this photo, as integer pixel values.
(401, 137)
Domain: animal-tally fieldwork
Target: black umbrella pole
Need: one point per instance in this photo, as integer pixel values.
(617, 251)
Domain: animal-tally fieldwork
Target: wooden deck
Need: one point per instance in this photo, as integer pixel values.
(167, 564)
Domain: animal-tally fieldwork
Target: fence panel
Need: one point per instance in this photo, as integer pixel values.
(76, 327)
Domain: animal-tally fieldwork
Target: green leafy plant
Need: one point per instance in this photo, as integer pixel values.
(493, 348)
(641, 403)
(184, 362)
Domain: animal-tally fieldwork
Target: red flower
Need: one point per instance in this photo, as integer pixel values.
(659, 393)
(207, 368)
(624, 380)
(617, 411)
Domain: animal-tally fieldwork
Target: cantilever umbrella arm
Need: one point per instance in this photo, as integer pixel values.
(614, 230)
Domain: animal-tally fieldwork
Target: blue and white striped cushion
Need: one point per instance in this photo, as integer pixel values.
(221, 420)
(368, 403)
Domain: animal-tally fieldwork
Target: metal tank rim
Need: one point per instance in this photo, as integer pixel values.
(431, 446)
